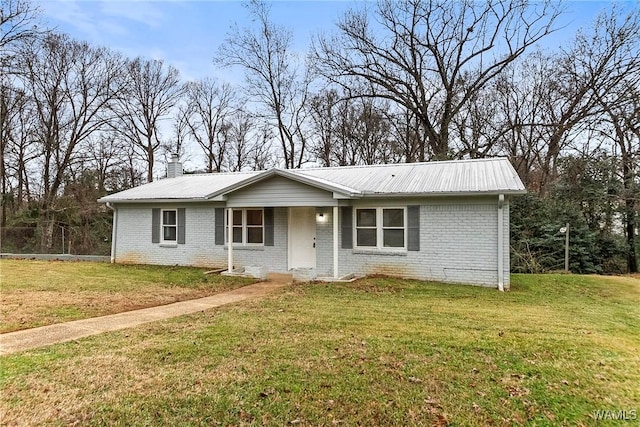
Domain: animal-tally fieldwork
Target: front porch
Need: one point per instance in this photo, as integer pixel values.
(306, 237)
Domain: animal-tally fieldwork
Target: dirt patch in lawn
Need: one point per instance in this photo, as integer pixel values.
(44, 293)
(27, 309)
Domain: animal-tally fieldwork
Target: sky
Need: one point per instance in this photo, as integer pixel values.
(187, 33)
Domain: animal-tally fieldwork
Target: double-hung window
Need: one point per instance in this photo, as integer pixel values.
(169, 225)
(248, 226)
(381, 228)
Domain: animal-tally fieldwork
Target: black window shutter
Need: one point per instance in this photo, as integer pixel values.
(413, 228)
(155, 225)
(181, 226)
(219, 226)
(347, 227)
(268, 226)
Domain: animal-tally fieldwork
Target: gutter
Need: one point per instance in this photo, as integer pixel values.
(114, 233)
(501, 243)
(372, 194)
(150, 200)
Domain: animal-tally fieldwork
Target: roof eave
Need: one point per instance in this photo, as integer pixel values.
(241, 184)
(446, 194)
(320, 183)
(164, 200)
(349, 192)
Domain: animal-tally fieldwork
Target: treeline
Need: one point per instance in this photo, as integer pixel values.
(404, 81)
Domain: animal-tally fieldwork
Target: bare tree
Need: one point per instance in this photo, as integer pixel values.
(323, 111)
(548, 102)
(272, 77)
(70, 84)
(346, 149)
(370, 131)
(621, 123)
(150, 91)
(241, 138)
(432, 56)
(600, 59)
(18, 20)
(261, 151)
(16, 149)
(478, 126)
(521, 99)
(350, 131)
(105, 153)
(180, 135)
(210, 105)
(18, 24)
(407, 135)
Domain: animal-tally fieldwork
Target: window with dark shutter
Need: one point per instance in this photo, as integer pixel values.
(346, 212)
(181, 226)
(155, 225)
(268, 226)
(413, 228)
(219, 226)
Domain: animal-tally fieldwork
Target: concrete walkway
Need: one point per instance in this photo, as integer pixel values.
(27, 339)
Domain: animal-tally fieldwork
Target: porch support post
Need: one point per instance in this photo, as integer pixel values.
(336, 274)
(230, 240)
(501, 243)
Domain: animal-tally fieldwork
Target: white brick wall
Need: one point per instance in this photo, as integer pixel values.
(134, 240)
(458, 243)
(273, 257)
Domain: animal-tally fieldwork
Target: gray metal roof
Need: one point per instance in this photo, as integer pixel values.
(493, 176)
(194, 187)
(456, 177)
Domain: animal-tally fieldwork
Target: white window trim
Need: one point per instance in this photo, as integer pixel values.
(379, 230)
(163, 225)
(244, 227)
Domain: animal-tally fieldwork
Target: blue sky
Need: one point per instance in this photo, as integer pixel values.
(186, 34)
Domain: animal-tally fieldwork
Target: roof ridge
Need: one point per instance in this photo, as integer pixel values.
(430, 162)
(218, 173)
(381, 165)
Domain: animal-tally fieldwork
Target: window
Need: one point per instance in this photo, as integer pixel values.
(393, 228)
(366, 230)
(248, 226)
(169, 225)
(381, 228)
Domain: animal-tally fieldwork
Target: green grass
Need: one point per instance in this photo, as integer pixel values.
(376, 352)
(38, 293)
(96, 276)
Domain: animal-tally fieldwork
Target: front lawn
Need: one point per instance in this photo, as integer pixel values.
(380, 351)
(38, 293)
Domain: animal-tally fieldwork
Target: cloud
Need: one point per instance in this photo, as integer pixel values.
(72, 14)
(100, 21)
(142, 12)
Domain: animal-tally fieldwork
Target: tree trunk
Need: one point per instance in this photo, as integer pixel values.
(150, 161)
(630, 214)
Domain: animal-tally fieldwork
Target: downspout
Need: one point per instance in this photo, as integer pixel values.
(230, 241)
(501, 243)
(114, 232)
(336, 274)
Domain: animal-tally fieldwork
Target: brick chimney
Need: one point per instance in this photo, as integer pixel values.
(174, 167)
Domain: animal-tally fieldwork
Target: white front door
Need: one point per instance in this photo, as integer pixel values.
(302, 237)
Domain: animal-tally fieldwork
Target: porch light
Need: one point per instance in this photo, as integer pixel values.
(321, 217)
